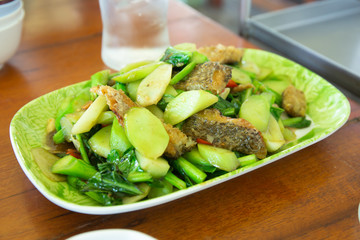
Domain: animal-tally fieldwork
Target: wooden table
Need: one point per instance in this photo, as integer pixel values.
(312, 194)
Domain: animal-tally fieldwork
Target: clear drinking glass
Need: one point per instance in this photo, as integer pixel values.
(133, 30)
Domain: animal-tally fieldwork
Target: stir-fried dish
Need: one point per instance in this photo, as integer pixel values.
(156, 127)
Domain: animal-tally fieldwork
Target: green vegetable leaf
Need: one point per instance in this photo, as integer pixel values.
(176, 57)
(100, 78)
(112, 182)
(229, 109)
(164, 101)
(276, 112)
(296, 122)
(122, 86)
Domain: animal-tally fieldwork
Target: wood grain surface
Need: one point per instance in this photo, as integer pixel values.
(311, 194)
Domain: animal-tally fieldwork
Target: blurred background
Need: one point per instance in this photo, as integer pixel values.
(310, 34)
(226, 12)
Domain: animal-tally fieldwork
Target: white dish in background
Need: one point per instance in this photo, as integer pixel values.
(112, 234)
(11, 20)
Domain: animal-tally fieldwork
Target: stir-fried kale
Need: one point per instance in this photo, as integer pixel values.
(93, 158)
(164, 101)
(178, 58)
(229, 107)
(99, 196)
(100, 78)
(296, 122)
(114, 178)
(276, 112)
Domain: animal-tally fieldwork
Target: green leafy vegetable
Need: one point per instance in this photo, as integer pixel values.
(186, 168)
(296, 122)
(229, 109)
(72, 166)
(197, 58)
(175, 181)
(100, 78)
(176, 57)
(164, 101)
(121, 86)
(276, 112)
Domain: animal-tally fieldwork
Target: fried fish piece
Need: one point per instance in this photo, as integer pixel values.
(235, 134)
(222, 54)
(120, 103)
(179, 143)
(211, 76)
(294, 102)
(242, 87)
(117, 101)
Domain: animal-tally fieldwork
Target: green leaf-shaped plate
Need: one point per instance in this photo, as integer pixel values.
(327, 107)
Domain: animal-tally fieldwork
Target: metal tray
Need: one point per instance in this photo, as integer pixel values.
(324, 36)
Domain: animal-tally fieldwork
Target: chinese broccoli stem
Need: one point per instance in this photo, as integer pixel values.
(229, 112)
(121, 187)
(194, 173)
(78, 184)
(183, 73)
(82, 148)
(137, 73)
(139, 177)
(72, 166)
(59, 136)
(296, 122)
(196, 58)
(247, 160)
(175, 181)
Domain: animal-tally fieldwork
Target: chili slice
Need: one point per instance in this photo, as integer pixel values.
(202, 141)
(231, 84)
(73, 153)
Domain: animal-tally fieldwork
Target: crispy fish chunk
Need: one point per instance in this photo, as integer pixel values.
(224, 132)
(179, 143)
(120, 103)
(117, 101)
(294, 102)
(242, 87)
(222, 54)
(211, 76)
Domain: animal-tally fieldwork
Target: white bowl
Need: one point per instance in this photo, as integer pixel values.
(112, 234)
(11, 19)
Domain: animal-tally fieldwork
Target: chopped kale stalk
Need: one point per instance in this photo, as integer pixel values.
(115, 179)
(122, 86)
(177, 58)
(99, 196)
(127, 165)
(296, 122)
(111, 182)
(276, 112)
(92, 157)
(197, 58)
(100, 78)
(228, 109)
(112, 175)
(164, 101)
